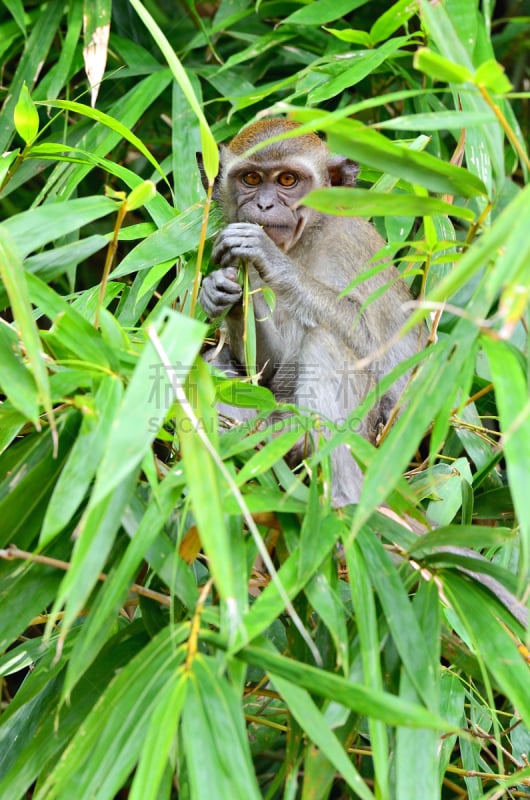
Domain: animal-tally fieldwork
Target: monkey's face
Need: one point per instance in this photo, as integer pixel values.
(267, 195)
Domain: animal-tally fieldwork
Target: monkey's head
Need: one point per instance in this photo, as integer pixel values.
(266, 187)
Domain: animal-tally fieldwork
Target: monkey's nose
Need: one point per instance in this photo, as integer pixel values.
(265, 205)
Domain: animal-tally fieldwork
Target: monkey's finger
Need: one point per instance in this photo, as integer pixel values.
(230, 273)
(233, 248)
(219, 293)
(225, 280)
(216, 305)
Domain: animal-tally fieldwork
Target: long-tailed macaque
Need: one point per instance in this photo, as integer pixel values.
(308, 348)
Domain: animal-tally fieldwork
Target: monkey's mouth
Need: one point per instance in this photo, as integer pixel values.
(282, 235)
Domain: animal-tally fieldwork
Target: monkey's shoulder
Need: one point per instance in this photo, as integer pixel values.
(340, 249)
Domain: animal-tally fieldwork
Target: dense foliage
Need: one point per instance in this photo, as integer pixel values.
(181, 614)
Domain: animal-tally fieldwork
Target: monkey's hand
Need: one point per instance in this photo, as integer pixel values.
(220, 291)
(250, 242)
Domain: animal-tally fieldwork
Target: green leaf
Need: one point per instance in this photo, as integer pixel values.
(511, 394)
(243, 394)
(365, 612)
(476, 536)
(266, 457)
(353, 695)
(395, 17)
(492, 76)
(170, 241)
(441, 68)
(210, 152)
(373, 149)
(313, 722)
(53, 220)
(438, 121)
(478, 612)
(71, 333)
(14, 279)
(107, 744)
(15, 379)
(28, 473)
(113, 593)
(214, 737)
(29, 64)
(420, 747)
(26, 116)
(270, 603)
(423, 400)
(141, 195)
(147, 400)
(16, 9)
(451, 35)
(83, 459)
(186, 141)
(442, 509)
(400, 618)
(24, 592)
(321, 11)
(111, 122)
(36, 742)
(95, 534)
(363, 63)
(158, 740)
(350, 35)
(364, 203)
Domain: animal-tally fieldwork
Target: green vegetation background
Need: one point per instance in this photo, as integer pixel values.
(146, 652)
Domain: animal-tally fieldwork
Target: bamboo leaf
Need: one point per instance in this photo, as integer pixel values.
(322, 11)
(14, 280)
(146, 402)
(373, 149)
(209, 147)
(96, 29)
(32, 58)
(158, 741)
(213, 737)
(104, 749)
(478, 612)
(113, 593)
(364, 605)
(400, 618)
(83, 459)
(441, 68)
(363, 203)
(511, 393)
(26, 116)
(379, 705)
(47, 224)
(313, 722)
(111, 122)
(15, 379)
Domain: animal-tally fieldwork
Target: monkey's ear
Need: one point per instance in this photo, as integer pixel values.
(204, 179)
(342, 171)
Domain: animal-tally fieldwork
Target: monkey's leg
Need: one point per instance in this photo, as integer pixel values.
(330, 384)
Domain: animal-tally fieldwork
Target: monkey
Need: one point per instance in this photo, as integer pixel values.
(309, 346)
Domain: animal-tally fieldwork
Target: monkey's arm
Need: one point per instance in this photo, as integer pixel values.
(220, 292)
(313, 302)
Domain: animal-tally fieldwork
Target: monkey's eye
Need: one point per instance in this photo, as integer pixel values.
(251, 178)
(287, 179)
